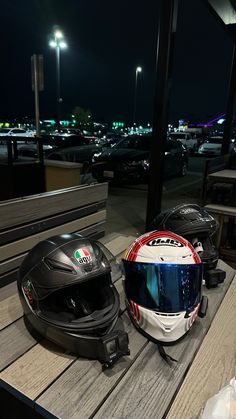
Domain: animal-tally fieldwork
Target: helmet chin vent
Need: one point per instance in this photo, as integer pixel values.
(168, 315)
(58, 266)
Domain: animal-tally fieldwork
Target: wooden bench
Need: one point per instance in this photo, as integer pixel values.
(222, 212)
(26, 221)
(40, 378)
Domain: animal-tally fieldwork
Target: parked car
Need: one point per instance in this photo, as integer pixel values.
(18, 132)
(189, 141)
(53, 142)
(213, 146)
(79, 154)
(67, 131)
(129, 160)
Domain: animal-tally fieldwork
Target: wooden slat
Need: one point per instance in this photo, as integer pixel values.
(25, 230)
(224, 175)
(15, 340)
(120, 244)
(150, 384)
(214, 365)
(221, 209)
(13, 263)
(24, 210)
(23, 245)
(84, 385)
(10, 310)
(36, 369)
(8, 291)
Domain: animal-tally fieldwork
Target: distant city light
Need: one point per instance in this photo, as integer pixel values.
(139, 69)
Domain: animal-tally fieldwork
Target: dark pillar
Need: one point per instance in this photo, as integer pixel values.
(165, 46)
(230, 106)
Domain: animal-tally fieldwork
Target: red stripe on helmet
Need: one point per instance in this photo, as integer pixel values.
(140, 243)
(137, 311)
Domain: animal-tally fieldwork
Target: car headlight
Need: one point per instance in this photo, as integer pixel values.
(145, 164)
(95, 157)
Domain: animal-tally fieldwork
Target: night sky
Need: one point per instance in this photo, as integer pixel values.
(107, 40)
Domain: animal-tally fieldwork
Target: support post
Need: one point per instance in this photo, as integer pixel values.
(165, 46)
(230, 107)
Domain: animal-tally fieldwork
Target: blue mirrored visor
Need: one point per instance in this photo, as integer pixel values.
(166, 288)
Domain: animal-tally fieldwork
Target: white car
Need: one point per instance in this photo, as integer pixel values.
(190, 142)
(17, 132)
(212, 146)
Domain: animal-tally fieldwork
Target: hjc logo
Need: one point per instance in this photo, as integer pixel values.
(165, 241)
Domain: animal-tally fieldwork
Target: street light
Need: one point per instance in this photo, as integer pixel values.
(137, 71)
(58, 42)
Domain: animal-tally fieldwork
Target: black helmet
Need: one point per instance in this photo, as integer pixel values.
(196, 225)
(66, 290)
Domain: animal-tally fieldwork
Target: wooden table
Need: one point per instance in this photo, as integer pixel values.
(38, 377)
(226, 175)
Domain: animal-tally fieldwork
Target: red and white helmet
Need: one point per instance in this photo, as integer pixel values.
(162, 283)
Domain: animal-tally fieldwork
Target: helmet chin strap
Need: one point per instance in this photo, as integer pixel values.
(167, 358)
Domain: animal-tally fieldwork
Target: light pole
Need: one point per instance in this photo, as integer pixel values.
(58, 43)
(137, 71)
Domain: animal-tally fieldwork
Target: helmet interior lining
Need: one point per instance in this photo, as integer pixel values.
(78, 301)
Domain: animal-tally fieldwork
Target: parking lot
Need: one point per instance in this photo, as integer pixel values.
(127, 204)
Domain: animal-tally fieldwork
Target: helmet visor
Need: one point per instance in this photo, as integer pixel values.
(163, 287)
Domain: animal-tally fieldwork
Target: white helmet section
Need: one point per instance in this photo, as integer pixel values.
(161, 326)
(162, 247)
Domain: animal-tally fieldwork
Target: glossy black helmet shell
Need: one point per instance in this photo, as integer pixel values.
(187, 220)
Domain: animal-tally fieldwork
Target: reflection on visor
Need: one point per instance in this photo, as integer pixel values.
(163, 287)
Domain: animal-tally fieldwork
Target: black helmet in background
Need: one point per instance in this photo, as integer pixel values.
(196, 225)
(65, 284)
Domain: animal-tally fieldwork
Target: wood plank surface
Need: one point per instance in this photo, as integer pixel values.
(224, 175)
(119, 244)
(221, 209)
(15, 340)
(84, 385)
(8, 291)
(21, 246)
(25, 230)
(36, 369)
(214, 364)
(23, 210)
(10, 310)
(10, 264)
(150, 384)
(15, 262)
